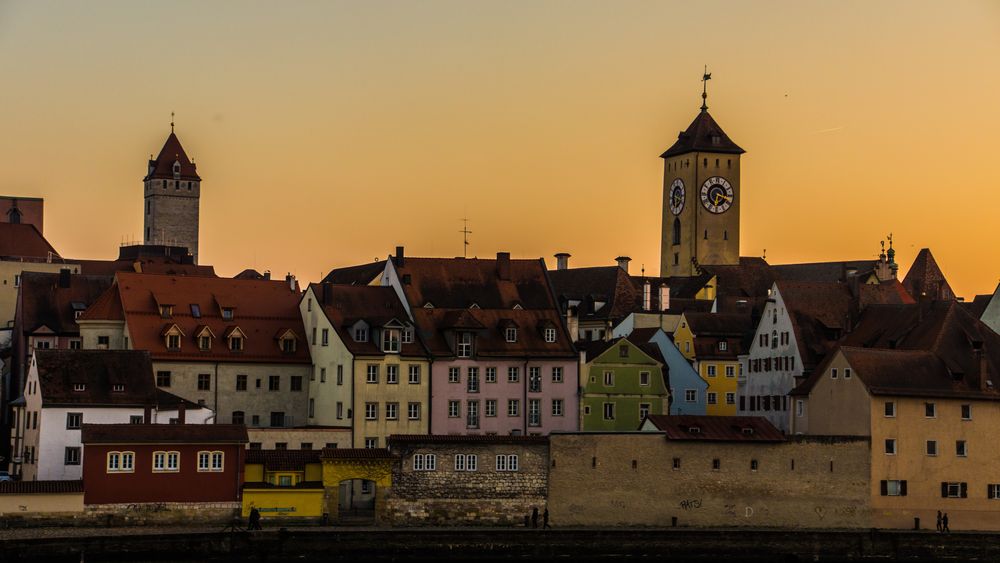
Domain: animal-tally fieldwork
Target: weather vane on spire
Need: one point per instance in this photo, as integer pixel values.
(171, 122)
(704, 89)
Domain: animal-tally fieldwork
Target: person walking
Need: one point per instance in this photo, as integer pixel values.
(253, 522)
(545, 519)
(939, 527)
(944, 523)
(534, 517)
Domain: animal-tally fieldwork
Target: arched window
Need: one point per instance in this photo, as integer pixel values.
(677, 230)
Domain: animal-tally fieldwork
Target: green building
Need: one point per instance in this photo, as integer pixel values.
(621, 383)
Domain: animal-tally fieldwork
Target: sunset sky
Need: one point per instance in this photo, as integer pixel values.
(327, 133)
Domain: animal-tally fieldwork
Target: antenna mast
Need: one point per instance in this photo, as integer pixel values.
(465, 237)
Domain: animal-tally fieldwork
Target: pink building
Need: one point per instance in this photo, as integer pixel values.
(503, 361)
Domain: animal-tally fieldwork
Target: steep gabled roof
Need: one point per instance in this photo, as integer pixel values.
(163, 433)
(45, 303)
(163, 165)
(925, 280)
(22, 240)
(703, 135)
(457, 283)
(363, 274)
(344, 305)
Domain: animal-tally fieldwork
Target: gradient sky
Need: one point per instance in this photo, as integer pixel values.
(327, 133)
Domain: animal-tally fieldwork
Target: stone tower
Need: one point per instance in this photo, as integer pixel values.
(701, 199)
(172, 191)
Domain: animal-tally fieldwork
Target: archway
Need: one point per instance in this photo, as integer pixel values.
(356, 482)
(356, 501)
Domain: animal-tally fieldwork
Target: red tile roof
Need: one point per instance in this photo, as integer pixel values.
(417, 439)
(703, 135)
(283, 460)
(44, 303)
(356, 453)
(925, 278)
(164, 433)
(40, 487)
(377, 306)
(261, 309)
(163, 165)
(23, 240)
(717, 428)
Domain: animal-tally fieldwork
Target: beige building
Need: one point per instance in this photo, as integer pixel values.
(369, 370)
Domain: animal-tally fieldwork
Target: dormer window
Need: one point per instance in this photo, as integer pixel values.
(510, 334)
(464, 347)
(236, 343)
(205, 342)
(79, 386)
(408, 335)
(288, 343)
(166, 311)
(118, 388)
(550, 335)
(390, 340)
(723, 345)
(361, 334)
(694, 430)
(174, 341)
(227, 313)
(748, 431)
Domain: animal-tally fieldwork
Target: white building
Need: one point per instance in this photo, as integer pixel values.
(66, 388)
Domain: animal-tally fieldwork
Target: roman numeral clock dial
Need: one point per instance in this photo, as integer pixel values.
(717, 194)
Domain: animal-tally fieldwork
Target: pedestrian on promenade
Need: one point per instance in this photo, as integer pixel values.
(254, 520)
(545, 519)
(534, 517)
(944, 523)
(939, 527)
(527, 520)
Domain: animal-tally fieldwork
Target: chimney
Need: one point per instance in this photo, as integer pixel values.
(664, 297)
(399, 256)
(327, 293)
(64, 274)
(181, 411)
(291, 281)
(623, 262)
(562, 261)
(147, 415)
(503, 265)
(267, 275)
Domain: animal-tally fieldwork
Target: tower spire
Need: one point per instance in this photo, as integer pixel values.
(704, 89)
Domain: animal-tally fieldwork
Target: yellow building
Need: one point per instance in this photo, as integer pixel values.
(286, 484)
(713, 343)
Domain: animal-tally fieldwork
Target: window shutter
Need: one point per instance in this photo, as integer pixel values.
(902, 488)
(885, 488)
(965, 490)
(944, 490)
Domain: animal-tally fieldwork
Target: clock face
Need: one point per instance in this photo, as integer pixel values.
(717, 194)
(676, 196)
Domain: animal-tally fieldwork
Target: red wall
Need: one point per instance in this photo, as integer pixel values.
(143, 485)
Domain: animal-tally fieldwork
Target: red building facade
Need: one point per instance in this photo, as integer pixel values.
(148, 463)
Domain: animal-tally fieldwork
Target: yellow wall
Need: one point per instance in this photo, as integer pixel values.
(382, 393)
(296, 503)
(720, 385)
(684, 338)
(61, 502)
(337, 470)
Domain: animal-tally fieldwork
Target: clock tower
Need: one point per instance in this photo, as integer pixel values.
(701, 198)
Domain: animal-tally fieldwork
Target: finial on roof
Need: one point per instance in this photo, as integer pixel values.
(891, 253)
(171, 122)
(704, 89)
(764, 255)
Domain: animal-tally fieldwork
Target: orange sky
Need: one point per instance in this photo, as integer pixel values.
(329, 132)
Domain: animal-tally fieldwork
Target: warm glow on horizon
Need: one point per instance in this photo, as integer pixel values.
(327, 133)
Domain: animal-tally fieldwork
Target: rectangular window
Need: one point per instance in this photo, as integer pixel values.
(730, 398)
(690, 395)
(414, 374)
(961, 450)
(491, 375)
(507, 462)
(74, 420)
(609, 411)
(513, 407)
(408, 335)
(361, 334)
(241, 383)
(643, 411)
(72, 456)
(466, 462)
(340, 410)
(710, 370)
(890, 447)
(557, 375)
(472, 414)
(135, 419)
(712, 398)
(534, 412)
(340, 374)
(454, 408)
(238, 417)
(390, 341)
(550, 335)
(557, 407)
(723, 345)
(464, 345)
(392, 374)
(535, 379)
(954, 490)
(325, 337)
(159, 461)
(623, 351)
(454, 375)
(609, 378)
(472, 380)
(274, 383)
(371, 411)
(730, 371)
(173, 461)
(893, 488)
(371, 373)
(413, 411)
(847, 373)
(931, 447)
(993, 491)
(513, 375)
(491, 407)
(424, 462)
(966, 412)
(392, 411)
(890, 409)
(277, 419)
(930, 410)
(163, 379)
(510, 334)
(833, 373)
(296, 383)
(204, 382)
(204, 461)
(103, 342)
(644, 378)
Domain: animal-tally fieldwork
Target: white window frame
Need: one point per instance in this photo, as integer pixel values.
(550, 335)
(413, 374)
(644, 379)
(506, 463)
(371, 411)
(690, 395)
(463, 349)
(413, 411)
(392, 411)
(510, 334)
(371, 373)
(557, 407)
(424, 462)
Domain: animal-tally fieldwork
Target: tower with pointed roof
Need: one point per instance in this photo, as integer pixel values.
(701, 198)
(172, 190)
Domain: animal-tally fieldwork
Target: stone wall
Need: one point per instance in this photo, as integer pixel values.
(134, 514)
(482, 497)
(630, 480)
